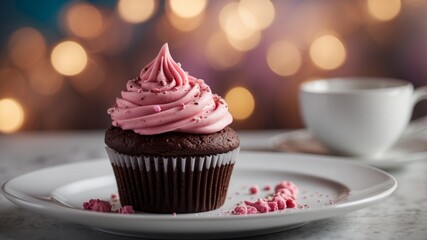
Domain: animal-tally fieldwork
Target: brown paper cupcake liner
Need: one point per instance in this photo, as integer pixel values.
(184, 184)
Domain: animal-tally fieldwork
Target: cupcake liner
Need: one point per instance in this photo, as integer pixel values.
(173, 184)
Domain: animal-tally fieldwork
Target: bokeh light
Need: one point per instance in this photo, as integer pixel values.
(44, 80)
(232, 23)
(68, 58)
(136, 11)
(11, 115)
(187, 8)
(284, 58)
(240, 102)
(26, 47)
(185, 24)
(256, 14)
(245, 44)
(84, 20)
(328, 52)
(220, 54)
(384, 10)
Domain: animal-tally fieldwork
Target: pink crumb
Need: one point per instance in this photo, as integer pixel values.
(267, 188)
(97, 205)
(281, 203)
(244, 210)
(287, 185)
(284, 197)
(261, 205)
(174, 214)
(254, 189)
(273, 206)
(126, 210)
(290, 203)
(114, 196)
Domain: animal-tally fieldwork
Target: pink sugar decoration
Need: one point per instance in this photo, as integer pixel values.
(157, 108)
(254, 189)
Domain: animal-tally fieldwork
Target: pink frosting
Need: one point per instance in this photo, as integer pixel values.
(165, 98)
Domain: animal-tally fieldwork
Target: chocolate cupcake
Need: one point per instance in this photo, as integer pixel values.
(169, 144)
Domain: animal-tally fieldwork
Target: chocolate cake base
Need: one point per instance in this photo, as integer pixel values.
(171, 190)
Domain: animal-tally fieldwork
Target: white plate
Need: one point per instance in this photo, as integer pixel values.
(60, 191)
(302, 142)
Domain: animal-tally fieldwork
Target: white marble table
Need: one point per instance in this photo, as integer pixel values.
(402, 216)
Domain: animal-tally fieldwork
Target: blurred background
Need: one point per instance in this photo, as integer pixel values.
(62, 63)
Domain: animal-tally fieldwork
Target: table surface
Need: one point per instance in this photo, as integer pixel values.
(401, 216)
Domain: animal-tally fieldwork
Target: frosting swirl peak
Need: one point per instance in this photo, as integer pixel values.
(165, 98)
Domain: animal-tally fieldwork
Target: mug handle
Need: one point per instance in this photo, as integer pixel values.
(420, 125)
(419, 94)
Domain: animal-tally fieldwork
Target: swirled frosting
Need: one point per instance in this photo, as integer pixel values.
(165, 98)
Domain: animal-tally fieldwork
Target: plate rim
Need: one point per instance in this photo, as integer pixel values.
(182, 217)
(390, 162)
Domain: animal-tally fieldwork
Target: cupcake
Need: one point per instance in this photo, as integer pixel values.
(170, 145)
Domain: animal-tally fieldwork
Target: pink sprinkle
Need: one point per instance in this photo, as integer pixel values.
(267, 188)
(254, 189)
(97, 205)
(157, 108)
(126, 210)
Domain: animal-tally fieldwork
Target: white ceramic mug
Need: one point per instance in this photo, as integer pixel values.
(358, 116)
